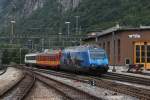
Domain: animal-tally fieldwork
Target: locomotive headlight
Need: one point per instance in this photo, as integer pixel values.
(93, 65)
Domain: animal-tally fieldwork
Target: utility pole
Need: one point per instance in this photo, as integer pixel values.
(42, 44)
(114, 57)
(49, 42)
(77, 24)
(80, 35)
(12, 22)
(20, 56)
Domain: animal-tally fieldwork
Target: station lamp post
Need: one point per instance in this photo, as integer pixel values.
(12, 30)
(68, 29)
(114, 55)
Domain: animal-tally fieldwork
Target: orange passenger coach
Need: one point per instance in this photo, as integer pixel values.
(49, 60)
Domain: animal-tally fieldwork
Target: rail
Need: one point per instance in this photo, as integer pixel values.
(68, 91)
(127, 78)
(20, 90)
(102, 83)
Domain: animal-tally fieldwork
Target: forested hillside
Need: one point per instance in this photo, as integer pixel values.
(50, 15)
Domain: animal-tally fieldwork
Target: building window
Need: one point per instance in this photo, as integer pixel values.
(118, 49)
(148, 53)
(104, 45)
(143, 56)
(108, 49)
(137, 53)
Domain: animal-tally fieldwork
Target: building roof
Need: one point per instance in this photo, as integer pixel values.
(122, 28)
(117, 28)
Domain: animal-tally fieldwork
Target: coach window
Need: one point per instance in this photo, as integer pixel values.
(49, 58)
(41, 57)
(27, 58)
(34, 57)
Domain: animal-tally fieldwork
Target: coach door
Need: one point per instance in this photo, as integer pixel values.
(142, 54)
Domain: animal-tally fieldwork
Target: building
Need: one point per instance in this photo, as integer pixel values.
(124, 45)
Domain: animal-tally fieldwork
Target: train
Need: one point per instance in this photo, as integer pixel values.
(76, 59)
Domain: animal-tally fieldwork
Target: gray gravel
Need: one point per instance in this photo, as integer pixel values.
(42, 92)
(99, 92)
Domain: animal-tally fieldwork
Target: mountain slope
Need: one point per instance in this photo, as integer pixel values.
(37, 16)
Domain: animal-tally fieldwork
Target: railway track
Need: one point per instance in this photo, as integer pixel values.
(68, 91)
(137, 92)
(20, 90)
(127, 78)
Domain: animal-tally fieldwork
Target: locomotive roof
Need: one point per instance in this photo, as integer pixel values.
(83, 48)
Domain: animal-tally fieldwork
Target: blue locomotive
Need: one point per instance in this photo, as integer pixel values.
(84, 59)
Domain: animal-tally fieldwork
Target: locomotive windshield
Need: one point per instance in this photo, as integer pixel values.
(97, 54)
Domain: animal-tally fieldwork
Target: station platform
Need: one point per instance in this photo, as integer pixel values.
(9, 79)
(123, 70)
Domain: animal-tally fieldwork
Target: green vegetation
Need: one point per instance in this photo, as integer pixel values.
(106, 13)
(94, 15)
(43, 20)
(14, 55)
(9, 46)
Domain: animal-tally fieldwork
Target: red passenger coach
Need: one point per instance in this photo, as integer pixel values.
(49, 60)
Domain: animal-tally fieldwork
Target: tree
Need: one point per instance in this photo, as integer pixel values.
(5, 57)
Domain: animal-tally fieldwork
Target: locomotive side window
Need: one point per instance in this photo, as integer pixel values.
(97, 55)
